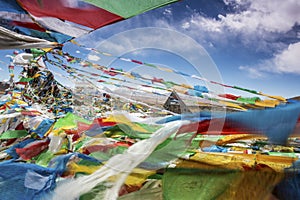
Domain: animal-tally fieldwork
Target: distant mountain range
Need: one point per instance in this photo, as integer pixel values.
(296, 98)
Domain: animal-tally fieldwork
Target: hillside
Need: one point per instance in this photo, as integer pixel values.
(296, 98)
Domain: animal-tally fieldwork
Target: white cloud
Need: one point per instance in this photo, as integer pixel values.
(168, 12)
(185, 25)
(267, 15)
(287, 61)
(258, 26)
(207, 24)
(139, 52)
(93, 57)
(252, 72)
(137, 39)
(254, 23)
(235, 2)
(277, 15)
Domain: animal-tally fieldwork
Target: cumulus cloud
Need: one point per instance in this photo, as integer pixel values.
(253, 23)
(286, 61)
(267, 15)
(93, 57)
(168, 12)
(185, 25)
(258, 26)
(252, 72)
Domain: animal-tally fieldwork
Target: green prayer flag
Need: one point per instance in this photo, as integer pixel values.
(37, 52)
(285, 154)
(169, 84)
(10, 134)
(249, 100)
(25, 80)
(247, 90)
(70, 120)
(129, 8)
(196, 183)
(150, 65)
(44, 158)
(106, 155)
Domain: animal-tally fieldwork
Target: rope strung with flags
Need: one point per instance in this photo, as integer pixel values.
(156, 83)
(280, 98)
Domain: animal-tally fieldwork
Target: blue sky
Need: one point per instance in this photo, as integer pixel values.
(254, 44)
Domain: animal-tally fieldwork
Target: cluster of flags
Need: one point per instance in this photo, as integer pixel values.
(40, 24)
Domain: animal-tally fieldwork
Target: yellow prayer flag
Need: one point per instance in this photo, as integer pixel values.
(119, 118)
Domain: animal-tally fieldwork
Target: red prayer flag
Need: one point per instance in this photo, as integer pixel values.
(78, 12)
(32, 150)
